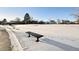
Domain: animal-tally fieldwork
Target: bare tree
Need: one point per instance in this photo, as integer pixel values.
(17, 19)
(76, 15)
(52, 22)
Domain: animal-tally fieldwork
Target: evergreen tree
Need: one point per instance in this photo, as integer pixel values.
(26, 18)
(4, 21)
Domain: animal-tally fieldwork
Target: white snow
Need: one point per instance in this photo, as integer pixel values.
(56, 37)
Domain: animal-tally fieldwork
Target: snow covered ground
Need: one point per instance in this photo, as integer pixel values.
(56, 37)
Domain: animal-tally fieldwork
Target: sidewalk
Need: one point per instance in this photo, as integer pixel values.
(5, 44)
(29, 44)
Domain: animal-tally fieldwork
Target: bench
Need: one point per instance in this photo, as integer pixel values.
(35, 35)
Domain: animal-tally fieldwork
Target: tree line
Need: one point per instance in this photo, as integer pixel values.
(29, 20)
